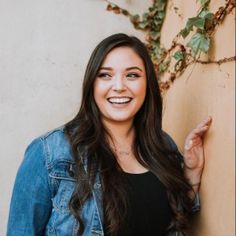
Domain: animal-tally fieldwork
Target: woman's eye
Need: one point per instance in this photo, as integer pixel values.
(133, 75)
(104, 76)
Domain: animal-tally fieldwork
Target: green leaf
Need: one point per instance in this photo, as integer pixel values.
(185, 32)
(163, 66)
(145, 16)
(143, 24)
(155, 35)
(194, 21)
(203, 2)
(157, 22)
(198, 43)
(160, 14)
(160, 4)
(206, 14)
(179, 55)
(197, 22)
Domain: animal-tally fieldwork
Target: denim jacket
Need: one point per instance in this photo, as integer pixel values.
(43, 187)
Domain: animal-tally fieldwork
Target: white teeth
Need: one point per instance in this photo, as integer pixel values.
(119, 100)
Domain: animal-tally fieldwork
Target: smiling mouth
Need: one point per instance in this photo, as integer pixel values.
(116, 100)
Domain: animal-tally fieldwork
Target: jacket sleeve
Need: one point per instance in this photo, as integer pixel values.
(30, 206)
(172, 144)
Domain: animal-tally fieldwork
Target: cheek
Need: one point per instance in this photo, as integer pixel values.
(99, 91)
(140, 90)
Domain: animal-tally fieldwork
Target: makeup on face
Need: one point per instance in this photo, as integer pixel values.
(120, 85)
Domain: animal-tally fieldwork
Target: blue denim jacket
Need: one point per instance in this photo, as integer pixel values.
(43, 188)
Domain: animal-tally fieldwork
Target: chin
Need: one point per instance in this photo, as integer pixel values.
(119, 119)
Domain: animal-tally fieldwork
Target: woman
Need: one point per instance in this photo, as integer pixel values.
(111, 170)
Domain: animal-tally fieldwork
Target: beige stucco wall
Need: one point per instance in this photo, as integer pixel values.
(44, 48)
(207, 90)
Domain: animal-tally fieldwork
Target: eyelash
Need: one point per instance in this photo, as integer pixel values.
(133, 75)
(108, 76)
(104, 75)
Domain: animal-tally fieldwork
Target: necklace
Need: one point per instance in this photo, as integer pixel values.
(123, 152)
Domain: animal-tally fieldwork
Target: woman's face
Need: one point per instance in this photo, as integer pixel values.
(120, 85)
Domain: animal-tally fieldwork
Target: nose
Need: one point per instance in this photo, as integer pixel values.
(118, 84)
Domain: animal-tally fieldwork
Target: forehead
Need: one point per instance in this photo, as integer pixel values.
(122, 57)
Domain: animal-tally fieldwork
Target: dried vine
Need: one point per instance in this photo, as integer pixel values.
(219, 62)
(202, 27)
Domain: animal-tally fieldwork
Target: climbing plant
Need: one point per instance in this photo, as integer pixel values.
(199, 28)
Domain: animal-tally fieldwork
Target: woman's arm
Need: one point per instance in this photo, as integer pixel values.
(31, 199)
(194, 155)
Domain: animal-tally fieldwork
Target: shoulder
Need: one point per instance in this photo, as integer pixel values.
(54, 145)
(54, 136)
(53, 150)
(169, 141)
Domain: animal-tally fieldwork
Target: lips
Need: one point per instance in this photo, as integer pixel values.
(119, 100)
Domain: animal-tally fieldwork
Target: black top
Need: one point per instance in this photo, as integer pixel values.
(149, 212)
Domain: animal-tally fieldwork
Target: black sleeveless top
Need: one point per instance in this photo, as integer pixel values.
(149, 213)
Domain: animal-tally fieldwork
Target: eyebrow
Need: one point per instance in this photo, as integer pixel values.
(127, 69)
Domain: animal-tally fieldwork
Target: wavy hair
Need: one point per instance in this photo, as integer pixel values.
(90, 147)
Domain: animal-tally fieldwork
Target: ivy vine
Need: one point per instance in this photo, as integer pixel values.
(200, 27)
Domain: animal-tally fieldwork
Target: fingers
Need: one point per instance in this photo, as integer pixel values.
(192, 142)
(205, 122)
(188, 144)
(197, 133)
(202, 130)
(203, 126)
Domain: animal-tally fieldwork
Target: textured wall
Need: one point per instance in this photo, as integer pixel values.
(207, 90)
(44, 48)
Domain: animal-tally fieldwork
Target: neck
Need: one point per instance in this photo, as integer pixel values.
(120, 132)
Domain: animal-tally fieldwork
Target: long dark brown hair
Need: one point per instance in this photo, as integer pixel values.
(90, 147)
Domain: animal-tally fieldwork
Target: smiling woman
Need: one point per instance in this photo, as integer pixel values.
(111, 170)
(120, 86)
